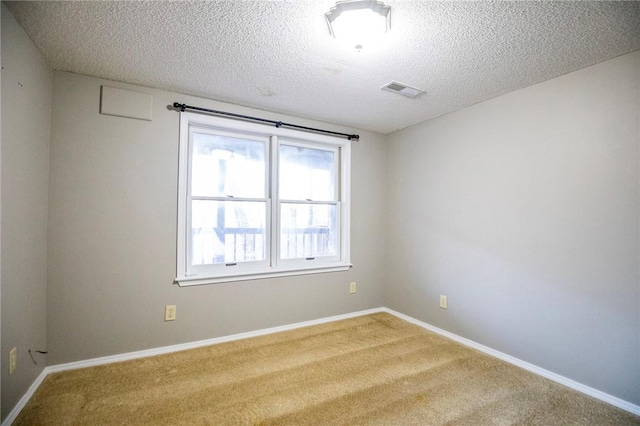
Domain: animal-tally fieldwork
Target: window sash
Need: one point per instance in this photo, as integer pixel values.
(308, 260)
(335, 151)
(308, 237)
(232, 266)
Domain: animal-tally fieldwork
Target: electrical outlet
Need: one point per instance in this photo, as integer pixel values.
(352, 287)
(13, 360)
(443, 302)
(170, 313)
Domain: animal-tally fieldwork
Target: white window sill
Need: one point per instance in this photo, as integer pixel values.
(201, 279)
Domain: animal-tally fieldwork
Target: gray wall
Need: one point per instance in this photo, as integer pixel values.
(524, 211)
(26, 103)
(112, 236)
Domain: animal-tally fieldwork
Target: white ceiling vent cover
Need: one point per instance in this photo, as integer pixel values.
(402, 89)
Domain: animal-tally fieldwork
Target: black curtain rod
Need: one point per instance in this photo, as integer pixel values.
(184, 107)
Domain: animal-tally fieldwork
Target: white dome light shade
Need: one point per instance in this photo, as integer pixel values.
(359, 22)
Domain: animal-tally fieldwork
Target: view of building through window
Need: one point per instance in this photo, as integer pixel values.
(229, 208)
(307, 192)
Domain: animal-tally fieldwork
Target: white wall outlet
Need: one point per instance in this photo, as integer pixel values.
(443, 301)
(352, 287)
(13, 360)
(170, 313)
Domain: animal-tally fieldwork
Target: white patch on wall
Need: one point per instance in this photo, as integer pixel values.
(126, 103)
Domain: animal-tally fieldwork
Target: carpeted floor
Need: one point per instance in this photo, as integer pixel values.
(374, 369)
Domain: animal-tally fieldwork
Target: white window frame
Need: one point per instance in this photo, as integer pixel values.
(273, 267)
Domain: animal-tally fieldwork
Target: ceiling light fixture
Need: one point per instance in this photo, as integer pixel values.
(359, 22)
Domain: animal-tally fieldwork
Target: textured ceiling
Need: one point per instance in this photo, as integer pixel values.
(279, 55)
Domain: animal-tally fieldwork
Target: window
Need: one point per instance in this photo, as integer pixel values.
(256, 201)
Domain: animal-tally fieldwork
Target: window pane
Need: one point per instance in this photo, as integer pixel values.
(227, 231)
(308, 230)
(307, 174)
(223, 166)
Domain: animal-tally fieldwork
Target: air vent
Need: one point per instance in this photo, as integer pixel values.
(402, 89)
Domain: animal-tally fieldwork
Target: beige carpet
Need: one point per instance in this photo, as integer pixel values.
(374, 369)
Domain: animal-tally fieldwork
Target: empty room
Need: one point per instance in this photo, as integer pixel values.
(317, 212)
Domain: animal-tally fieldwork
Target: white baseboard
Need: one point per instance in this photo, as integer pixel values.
(200, 343)
(25, 398)
(620, 403)
(610, 399)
